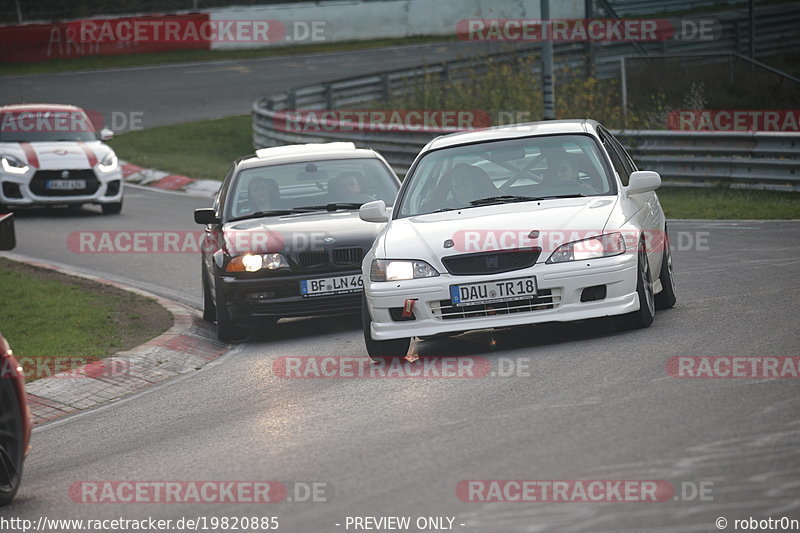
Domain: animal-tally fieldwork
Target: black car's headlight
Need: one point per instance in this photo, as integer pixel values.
(12, 165)
(256, 262)
(398, 270)
(600, 246)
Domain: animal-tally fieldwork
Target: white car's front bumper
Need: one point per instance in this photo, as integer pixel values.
(565, 282)
(19, 190)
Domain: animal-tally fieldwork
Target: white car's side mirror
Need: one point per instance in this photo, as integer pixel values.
(374, 212)
(643, 181)
(106, 134)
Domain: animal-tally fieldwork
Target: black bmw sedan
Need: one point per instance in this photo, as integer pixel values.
(284, 237)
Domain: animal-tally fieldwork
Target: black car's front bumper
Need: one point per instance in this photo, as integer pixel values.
(253, 299)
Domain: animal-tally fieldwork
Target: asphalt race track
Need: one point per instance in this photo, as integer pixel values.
(582, 401)
(171, 94)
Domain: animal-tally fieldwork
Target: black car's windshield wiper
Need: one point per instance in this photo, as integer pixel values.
(258, 214)
(506, 198)
(334, 206)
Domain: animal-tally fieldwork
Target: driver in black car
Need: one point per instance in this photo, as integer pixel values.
(262, 195)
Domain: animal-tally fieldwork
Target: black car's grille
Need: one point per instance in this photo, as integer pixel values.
(313, 258)
(491, 262)
(343, 303)
(546, 299)
(320, 258)
(39, 182)
(347, 256)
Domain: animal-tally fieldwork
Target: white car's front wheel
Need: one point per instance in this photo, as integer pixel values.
(666, 298)
(390, 348)
(644, 289)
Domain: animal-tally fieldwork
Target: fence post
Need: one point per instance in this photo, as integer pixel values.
(624, 88)
(386, 91)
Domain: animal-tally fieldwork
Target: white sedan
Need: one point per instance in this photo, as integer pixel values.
(522, 224)
(52, 155)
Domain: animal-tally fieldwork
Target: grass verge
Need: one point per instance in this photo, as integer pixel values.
(55, 322)
(202, 149)
(206, 148)
(189, 56)
(725, 203)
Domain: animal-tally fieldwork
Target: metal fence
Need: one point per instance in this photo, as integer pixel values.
(756, 160)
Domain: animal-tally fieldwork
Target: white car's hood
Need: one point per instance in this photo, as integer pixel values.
(57, 155)
(497, 227)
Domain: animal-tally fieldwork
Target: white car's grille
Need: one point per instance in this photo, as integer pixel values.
(546, 299)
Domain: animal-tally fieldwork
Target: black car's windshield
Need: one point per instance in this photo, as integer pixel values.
(499, 172)
(42, 125)
(326, 185)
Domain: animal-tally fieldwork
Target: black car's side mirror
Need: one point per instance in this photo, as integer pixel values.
(8, 239)
(206, 215)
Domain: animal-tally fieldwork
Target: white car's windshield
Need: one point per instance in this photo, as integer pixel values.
(45, 126)
(506, 171)
(339, 183)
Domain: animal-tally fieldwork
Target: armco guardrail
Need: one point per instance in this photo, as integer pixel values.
(746, 159)
(749, 159)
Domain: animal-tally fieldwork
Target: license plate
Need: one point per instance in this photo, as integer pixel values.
(66, 185)
(327, 286)
(493, 291)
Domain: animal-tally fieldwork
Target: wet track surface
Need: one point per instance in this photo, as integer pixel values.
(585, 401)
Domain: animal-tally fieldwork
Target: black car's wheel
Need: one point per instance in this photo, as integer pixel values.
(12, 450)
(644, 288)
(667, 297)
(209, 309)
(394, 347)
(112, 209)
(227, 330)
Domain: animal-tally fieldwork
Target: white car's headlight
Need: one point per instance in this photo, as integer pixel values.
(109, 163)
(256, 262)
(397, 270)
(12, 165)
(592, 248)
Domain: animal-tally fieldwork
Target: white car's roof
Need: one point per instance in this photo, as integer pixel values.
(527, 129)
(295, 153)
(21, 108)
